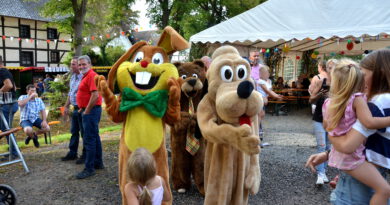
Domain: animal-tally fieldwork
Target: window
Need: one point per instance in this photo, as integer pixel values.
(24, 31)
(26, 58)
(51, 33)
(288, 70)
(55, 57)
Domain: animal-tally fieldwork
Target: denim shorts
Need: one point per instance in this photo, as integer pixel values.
(350, 191)
(27, 123)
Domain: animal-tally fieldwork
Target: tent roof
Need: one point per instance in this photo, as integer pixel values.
(278, 21)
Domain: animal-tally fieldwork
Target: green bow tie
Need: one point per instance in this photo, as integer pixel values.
(155, 102)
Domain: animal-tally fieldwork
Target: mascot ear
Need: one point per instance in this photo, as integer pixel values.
(171, 41)
(123, 58)
(199, 63)
(177, 64)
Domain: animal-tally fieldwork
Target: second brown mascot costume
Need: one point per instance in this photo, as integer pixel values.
(227, 117)
(149, 97)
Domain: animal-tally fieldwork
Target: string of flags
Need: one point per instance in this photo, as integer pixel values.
(86, 39)
(320, 42)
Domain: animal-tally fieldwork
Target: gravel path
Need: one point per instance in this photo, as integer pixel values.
(284, 178)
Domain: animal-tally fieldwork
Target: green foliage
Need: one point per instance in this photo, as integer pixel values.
(309, 65)
(114, 53)
(58, 95)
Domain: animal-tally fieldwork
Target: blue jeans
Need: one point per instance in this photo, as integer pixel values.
(351, 191)
(76, 128)
(322, 143)
(9, 112)
(91, 139)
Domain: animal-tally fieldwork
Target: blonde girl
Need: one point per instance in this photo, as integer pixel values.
(145, 186)
(346, 104)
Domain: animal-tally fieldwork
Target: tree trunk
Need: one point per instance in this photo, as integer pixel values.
(78, 25)
(166, 12)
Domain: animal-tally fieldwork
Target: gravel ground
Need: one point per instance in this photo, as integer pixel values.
(284, 178)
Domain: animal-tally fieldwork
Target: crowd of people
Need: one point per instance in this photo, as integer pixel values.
(350, 105)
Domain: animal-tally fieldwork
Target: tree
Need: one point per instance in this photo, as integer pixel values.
(72, 16)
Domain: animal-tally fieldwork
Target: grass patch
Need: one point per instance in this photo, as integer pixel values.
(60, 138)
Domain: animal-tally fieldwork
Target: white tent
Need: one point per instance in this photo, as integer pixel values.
(325, 25)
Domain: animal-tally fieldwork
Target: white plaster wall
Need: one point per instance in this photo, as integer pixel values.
(9, 21)
(41, 56)
(12, 55)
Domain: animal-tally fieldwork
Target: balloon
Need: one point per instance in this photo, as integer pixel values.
(332, 54)
(297, 57)
(286, 48)
(313, 55)
(316, 53)
(276, 50)
(267, 51)
(267, 55)
(349, 45)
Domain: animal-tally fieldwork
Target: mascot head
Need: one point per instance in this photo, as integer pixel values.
(232, 87)
(146, 68)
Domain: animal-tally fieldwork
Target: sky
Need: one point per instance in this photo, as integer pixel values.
(143, 20)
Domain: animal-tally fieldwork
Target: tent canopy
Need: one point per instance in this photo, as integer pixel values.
(305, 25)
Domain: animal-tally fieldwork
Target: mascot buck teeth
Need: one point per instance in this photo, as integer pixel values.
(149, 97)
(227, 117)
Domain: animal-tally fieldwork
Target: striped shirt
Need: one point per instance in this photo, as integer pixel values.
(31, 110)
(74, 86)
(378, 141)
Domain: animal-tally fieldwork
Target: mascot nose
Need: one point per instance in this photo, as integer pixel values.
(144, 64)
(192, 82)
(244, 89)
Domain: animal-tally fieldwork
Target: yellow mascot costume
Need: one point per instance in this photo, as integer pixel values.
(149, 98)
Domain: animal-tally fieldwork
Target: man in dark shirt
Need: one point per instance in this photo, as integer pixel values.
(7, 84)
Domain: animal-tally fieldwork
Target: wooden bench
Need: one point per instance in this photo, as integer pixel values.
(277, 106)
(16, 129)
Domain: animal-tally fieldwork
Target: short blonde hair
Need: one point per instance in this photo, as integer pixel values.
(264, 67)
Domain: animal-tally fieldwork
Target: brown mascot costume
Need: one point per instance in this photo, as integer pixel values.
(149, 97)
(187, 143)
(227, 117)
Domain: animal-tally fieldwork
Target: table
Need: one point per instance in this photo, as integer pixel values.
(5, 100)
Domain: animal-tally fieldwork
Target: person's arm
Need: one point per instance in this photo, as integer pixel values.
(315, 160)
(270, 92)
(313, 85)
(365, 117)
(166, 195)
(7, 86)
(23, 102)
(43, 114)
(92, 101)
(131, 196)
(348, 143)
(66, 106)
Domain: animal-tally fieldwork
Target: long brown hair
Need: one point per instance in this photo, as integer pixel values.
(141, 167)
(346, 80)
(379, 63)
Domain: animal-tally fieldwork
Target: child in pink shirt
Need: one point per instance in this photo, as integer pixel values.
(345, 105)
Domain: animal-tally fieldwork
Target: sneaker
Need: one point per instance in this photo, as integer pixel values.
(69, 157)
(325, 178)
(334, 181)
(27, 141)
(85, 174)
(81, 160)
(320, 180)
(99, 166)
(35, 140)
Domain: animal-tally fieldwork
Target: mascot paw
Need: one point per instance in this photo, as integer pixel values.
(248, 142)
(101, 85)
(251, 183)
(181, 191)
(174, 90)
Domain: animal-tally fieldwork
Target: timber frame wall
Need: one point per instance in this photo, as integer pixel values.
(41, 49)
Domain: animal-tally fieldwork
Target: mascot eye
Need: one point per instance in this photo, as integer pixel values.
(183, 77)
(241, 72)
(139, 56)
(157, 58)
(194, 75)
(227, 73)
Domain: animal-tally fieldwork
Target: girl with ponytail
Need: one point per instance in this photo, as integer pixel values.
(346, 104)
(145, 186)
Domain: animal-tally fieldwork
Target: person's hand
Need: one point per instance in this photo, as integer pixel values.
(315, 160)
(280, 97)
(66, 110)
(86, 112)
(44, 124)
(33, 95)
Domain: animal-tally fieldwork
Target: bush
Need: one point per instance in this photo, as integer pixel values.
(58, 95)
